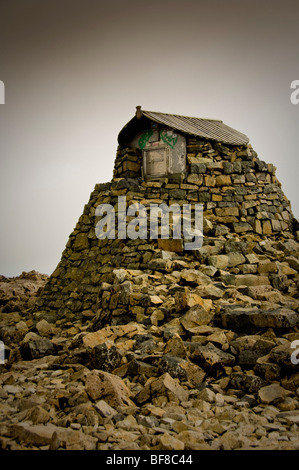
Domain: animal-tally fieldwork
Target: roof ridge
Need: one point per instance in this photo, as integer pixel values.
(213, 129)
(181, 115)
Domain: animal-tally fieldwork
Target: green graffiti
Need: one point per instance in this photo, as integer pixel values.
(145, 138)
(168, 139)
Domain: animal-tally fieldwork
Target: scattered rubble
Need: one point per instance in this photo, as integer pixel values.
(194, 373)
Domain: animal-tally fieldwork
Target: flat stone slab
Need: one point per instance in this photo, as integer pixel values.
(242, 318)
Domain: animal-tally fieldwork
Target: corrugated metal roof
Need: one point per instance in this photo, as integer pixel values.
(210, 129)
(206, 128)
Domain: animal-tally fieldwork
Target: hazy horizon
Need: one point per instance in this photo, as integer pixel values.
(75, 70)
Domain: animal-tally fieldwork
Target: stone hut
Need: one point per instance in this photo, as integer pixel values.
(203, 160)
(172, 159)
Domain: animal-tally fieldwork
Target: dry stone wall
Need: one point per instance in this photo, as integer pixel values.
(243, 206)
(233, 183)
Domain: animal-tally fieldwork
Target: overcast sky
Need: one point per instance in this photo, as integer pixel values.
(74, 71)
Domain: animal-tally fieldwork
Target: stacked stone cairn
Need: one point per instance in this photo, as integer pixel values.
(140, 344)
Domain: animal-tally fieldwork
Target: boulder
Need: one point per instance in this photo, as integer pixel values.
(45, 328)
(244, 317)
(160, 265)
(273, 393)
(293, 262)
(210, 291)
(104, 409)
(105, 357)
(251, 347)
(218, 261)
(53, 436)
(193, 440)
(108, 387)
(209, 357)
(195, 317)
(193, 276)
(266, 369)
(249, 383)
(182, 369)
(235, 258)
(34, 346)
(282, 355)
(168, 442)
(250, 280)
(164, 386)
(175, 347)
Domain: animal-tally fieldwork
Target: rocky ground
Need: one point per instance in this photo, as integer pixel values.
(207, 365)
